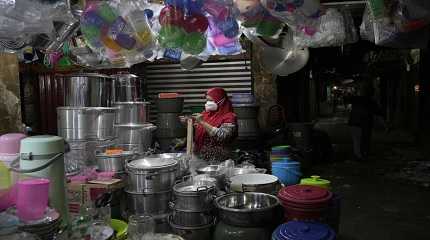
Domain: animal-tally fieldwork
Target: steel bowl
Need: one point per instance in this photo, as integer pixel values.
(249, 209)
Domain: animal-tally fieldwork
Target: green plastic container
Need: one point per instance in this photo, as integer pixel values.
(42, 156)
(316, 181)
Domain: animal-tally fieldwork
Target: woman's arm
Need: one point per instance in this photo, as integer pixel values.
(222, 133)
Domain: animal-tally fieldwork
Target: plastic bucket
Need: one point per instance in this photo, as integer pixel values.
(288, 175)
(32, 198)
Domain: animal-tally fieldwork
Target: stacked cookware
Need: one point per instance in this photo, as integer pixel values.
(86, 117)
(150, 182)
(247, 120)
(168, 122)
(193, 210)
(133, 130)
(247, 216)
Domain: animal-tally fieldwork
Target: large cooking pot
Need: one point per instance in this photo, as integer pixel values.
(150, 175)
(148, 203)
(189, 218)
(132, 112)
(86, 123)
(87, 90)
(138, 134)
(113, 162)
(193, 233)
(194, 195)
(254, 182)
(170, 126)
(127, 88)
(248, 209)
(182, 158)
(214, 171)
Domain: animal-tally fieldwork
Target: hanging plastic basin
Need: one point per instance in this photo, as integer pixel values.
(287, 175)
(120, 228)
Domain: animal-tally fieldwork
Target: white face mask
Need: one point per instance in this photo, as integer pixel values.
(211, 106)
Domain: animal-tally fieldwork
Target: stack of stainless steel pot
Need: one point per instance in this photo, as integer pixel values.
(132, 126)
(193, 211)
(86, 117)
(168, 122)
(247, 121)
(247, 216)
(150, 182)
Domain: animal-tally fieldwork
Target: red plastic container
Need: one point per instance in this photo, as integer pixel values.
(304, 202)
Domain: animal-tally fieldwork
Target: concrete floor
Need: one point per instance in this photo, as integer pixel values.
(377, 204)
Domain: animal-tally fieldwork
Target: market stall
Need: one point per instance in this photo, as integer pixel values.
(116, 172)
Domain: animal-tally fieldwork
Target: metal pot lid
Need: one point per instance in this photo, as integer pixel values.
(146, 125)
(124, 75)
(85, 75)
(254, 179)
(131, 103)
(305, 194)
(210, 169)
(163, 236)
(297, 230)
(194, 186)
(151, 163)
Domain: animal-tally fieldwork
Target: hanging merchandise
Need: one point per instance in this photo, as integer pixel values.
(411, 15)
(119, 33)
(223, 36)
(303, 15)
(382, 30)
(351, 35)
(21, 22)
(257, 19)
(330, 32)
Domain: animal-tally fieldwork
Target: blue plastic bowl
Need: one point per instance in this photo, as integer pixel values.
(287, 176)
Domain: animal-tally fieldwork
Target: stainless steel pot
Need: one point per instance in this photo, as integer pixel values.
(127, 88)
(86, 123)
(194, 196)
(150, 175)
(132, 112)
(240, 171)
(138, 134)
(182, 158)
(191, 218)
(254, 182)
(193, 233)
(113, 162)
(216, 172)
(248, 209)
(148, 204)
(87, 90)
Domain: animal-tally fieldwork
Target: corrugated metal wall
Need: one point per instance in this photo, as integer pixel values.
(232, 75)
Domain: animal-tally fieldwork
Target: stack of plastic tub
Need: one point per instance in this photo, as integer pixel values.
(287, 170)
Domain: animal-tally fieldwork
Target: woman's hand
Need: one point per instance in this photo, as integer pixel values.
(198, 117)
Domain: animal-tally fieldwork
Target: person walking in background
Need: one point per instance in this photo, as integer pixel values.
(361, 119)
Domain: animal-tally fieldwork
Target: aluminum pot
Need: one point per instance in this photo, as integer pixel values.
(194, 196)
(151, 175)
(148, 204)
(138, 134)
(248, 209)
(193, 233)
(254, 182)
(240, 171)
(191, 218)
(113, 162)
(87, 90)
(86, 123)
(216, 172)
(127, 88)
(132, 112)
(182, 158)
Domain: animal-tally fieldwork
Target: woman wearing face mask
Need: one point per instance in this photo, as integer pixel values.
(216, 127)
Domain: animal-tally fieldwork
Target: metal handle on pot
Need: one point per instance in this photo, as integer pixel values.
(149, 176)
(172, 205)
(202, 189)
(261, 170)
(14, 165)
